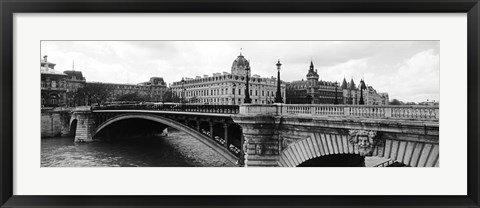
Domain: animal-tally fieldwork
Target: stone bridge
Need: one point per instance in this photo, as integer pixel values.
(291, 135)
(287, 135)
(211, 125)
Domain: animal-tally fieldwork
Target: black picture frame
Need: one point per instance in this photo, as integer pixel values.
(10, 7)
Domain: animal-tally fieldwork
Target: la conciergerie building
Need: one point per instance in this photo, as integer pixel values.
(315, 91)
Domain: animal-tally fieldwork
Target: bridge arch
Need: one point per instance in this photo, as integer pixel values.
(177, 125)
(412, 153)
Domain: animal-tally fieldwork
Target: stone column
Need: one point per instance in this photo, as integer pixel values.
(225, 134)
(85, 124)
(211, 129)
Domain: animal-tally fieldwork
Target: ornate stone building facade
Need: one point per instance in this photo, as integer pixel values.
(313, 90)
(228, 88)
(374, 98)
(53, 85)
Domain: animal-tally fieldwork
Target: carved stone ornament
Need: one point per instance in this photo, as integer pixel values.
(365, 141)
(286, 141)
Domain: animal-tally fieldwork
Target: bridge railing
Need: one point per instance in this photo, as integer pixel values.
(413, 112)
(220, 109)
(385, 164)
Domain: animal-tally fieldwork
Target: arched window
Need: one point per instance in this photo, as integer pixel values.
(53, 99)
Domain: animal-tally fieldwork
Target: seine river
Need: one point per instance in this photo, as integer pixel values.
(175, 150)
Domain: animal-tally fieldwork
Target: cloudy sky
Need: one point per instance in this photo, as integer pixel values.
(407, 70)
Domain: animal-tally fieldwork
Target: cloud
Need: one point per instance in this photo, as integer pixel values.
(415, 79)
(389, 66)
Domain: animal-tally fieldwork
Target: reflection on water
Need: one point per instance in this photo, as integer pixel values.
(176, 150)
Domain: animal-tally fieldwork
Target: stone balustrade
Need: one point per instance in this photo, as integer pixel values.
(223, 109)
(413, 112)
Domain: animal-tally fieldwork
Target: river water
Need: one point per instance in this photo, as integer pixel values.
(175, 150)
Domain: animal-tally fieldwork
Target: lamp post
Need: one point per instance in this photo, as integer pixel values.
(362, 87)
(183, 90)
(278, 96)
(336, 99)
(234, 88)
(247, 91)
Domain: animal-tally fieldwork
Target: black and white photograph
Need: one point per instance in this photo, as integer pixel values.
(186, 103)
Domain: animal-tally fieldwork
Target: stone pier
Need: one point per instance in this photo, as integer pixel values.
(85, 125)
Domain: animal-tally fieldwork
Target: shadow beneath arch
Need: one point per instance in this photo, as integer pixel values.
(340, 160)
(73, 128)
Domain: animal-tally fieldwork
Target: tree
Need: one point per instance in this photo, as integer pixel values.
(171, 97)
(95, 93)
(75, 99)
(132, 97)
(194, 99)
(396, 102)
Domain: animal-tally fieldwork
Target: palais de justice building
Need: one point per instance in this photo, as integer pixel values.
(229, 88)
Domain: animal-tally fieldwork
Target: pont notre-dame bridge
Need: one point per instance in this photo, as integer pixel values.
(282, 135)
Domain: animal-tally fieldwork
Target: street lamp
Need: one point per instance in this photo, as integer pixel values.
(362, 87)
(183, 90)
(234, 88)
(247, 91)
(336, 99)
(278, 96)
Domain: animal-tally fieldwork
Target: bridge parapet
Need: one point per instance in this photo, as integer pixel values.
(223, 109)
(366, 111)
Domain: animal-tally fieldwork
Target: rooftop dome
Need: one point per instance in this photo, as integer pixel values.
(240, 61)
(239, 65)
